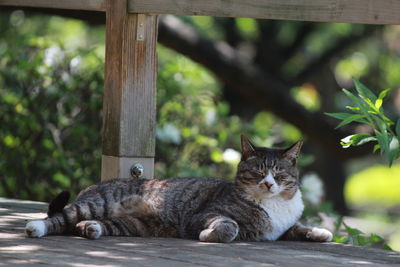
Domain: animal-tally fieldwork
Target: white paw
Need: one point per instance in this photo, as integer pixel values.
(35, 229)
(205, 235)
(93, 230)
(319, 235)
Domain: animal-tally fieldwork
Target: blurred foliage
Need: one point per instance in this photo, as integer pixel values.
(51, 83)
(375, 187)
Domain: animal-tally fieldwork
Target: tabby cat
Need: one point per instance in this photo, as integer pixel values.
(264, 203)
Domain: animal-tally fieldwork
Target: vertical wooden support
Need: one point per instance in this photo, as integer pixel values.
(129, 104)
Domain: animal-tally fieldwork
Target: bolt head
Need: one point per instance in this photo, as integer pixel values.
(137, 170)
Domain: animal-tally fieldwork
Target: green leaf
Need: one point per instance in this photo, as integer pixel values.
(376, 238)
(368, 101)
(383, 141)
(346, 142)
(340, 239)
(355, 109)
(384, 93)
(386, 247)
(363, 91)
(376, 147)
(381, 123)
(356, 140)
(352, 231)
(340, 116)
(360, 139)
(338, 223)
(378, 103)
(361, 240)
(387, 120)
(355, 117)
(352, 97)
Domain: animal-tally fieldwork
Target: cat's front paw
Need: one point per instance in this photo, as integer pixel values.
(89, 229)
(319, 235)
(35, 229)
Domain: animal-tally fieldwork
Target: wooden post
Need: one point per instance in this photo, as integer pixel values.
(129, 104)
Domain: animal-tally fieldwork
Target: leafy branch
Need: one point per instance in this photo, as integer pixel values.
(356, 237)
(368, 110)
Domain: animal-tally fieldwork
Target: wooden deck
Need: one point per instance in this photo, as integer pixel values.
(15, 248)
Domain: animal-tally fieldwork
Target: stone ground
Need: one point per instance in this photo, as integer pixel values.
(16, 249)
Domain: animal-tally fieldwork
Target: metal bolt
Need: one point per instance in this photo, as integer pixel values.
(137, 170)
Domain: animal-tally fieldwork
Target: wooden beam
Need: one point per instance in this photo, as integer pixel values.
(94, 5)
(129, 105)
(351, 11)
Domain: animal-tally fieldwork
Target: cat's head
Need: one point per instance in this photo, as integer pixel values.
(265, 172)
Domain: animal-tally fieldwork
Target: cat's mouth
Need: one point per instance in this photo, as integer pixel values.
(270, 189)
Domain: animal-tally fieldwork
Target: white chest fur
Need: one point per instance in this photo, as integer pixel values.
(283, 214)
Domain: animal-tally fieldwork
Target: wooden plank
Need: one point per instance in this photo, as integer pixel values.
(129, 105)
(93, 5)
(352, 11)
(126, 251)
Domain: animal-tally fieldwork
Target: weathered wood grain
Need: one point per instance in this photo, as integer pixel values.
(93, 5)
(129, 104)
(352, 11)
(135, 251)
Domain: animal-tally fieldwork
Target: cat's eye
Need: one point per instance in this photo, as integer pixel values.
(280, 176)
(257, 173)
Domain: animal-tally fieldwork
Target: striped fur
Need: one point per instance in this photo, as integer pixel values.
(208, 209)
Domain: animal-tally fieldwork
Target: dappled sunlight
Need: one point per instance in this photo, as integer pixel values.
(132, 251)
(38, 215)
(361, 262)
(89, 265)
(353, 66)
(308, 96)
(109, 255)
(20, 248)
(127, 244)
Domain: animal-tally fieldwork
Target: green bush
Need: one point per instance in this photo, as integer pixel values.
(51, 84)
(50, 101)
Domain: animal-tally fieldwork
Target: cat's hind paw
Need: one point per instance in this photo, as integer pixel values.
(90, 229)
(35, 229)
(319, 235)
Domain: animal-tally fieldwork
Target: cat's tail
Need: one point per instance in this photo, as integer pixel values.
(58, 203)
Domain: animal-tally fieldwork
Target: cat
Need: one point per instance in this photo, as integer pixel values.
(263, 203)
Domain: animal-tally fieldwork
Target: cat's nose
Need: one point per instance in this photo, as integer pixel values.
(268, 184)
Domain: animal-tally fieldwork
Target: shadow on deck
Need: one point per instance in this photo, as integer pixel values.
(15, 248)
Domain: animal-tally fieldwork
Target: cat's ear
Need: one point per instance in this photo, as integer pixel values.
(247, 147)
(292, 153)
